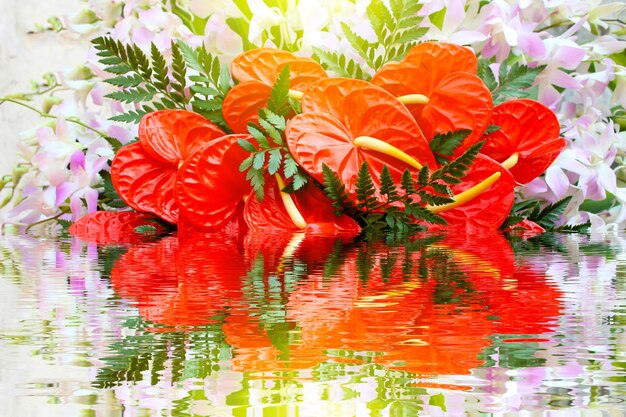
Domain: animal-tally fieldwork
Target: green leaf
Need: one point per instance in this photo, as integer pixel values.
(276, 120)
(246, 164)
(491, 129)
(486, 74)
(275, 161)
(246, 145)
(145, 229)
(550, 214)
(257, 180)
(340, 65)
(279, 98)
(290, 167)
(335, 190)
(365, 190)
(514, 80)
(125, 81)
(406, 181)
(258, 135)
(299, 181)
(387, 185)
(444, 145)
(65, 224)
(259, 161)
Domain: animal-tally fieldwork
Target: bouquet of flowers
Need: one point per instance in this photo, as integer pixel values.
(386, 131)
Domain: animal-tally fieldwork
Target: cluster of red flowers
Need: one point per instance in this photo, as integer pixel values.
(185, 169)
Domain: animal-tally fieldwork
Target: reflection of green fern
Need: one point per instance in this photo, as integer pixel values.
(190, 355)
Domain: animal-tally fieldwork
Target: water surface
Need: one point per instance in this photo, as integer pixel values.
(303, 326)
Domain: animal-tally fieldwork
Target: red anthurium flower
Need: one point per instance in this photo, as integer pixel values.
(144, 173)
(257, 71)
(454, 97)
(491, 207)
(107, 227)
(312, 204)
(340, 118)
(528, 138)
(209, 185)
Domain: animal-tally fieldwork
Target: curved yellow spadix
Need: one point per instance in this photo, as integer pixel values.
(290, 206)
(511, 161)
(378, 145)
(296, 95)
(414, 99)
(467, 195)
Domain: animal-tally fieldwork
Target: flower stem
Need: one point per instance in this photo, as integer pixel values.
(52, 116)
(63, 212)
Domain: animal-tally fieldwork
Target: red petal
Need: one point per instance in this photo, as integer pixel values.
(461, 101)
(303, 72)
(458, 101)
(242, 103)
(436, 60)
(489, 209)
(172, 135)
(315, 139)
(259, 65)
(530, 129)
(143, 183)
(315, 207)
(106, 227)
(368, 110)
(209, 185)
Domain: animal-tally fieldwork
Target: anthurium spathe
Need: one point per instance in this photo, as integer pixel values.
(437, 81)
(210, 186)
(257, 71)
(144, 173)
(528, 140)
(491, 207)
(346, 122)
(271, 215)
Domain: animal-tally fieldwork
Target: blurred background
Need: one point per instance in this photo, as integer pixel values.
(25, 55)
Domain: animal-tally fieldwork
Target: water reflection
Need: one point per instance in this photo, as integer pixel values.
(303, 325)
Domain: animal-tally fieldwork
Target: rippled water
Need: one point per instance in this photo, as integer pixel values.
(302, 326)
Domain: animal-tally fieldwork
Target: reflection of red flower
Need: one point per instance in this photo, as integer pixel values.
(394, 312)
(176, 283)
(529, 130)
(144, 173)
(106, 227)
(256, 71)
(335, 112)
(446, 75)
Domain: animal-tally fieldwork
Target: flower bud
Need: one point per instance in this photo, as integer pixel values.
(50, 102)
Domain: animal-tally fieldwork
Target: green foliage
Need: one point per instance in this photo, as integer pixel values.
(340, 65)
(337, 192)
(109, 198)
(146, 229)
(270, 154)
(513, 81)
(65, 224)
(210, 85)
(546, 216)
(144, 81)
(397, 31)
(398, 208)
(278, 102)
(444, 145)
